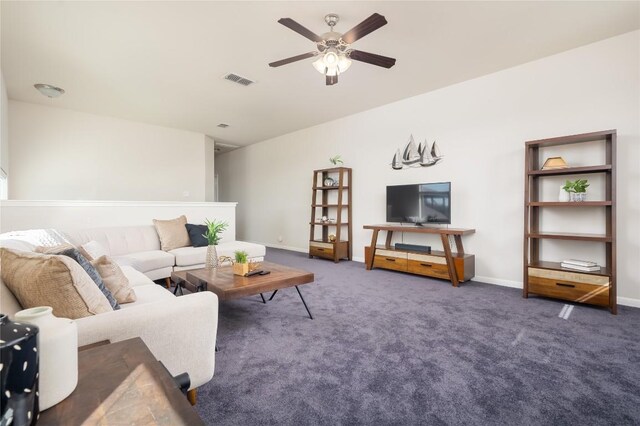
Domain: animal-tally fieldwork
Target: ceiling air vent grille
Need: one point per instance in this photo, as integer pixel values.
(238, 79)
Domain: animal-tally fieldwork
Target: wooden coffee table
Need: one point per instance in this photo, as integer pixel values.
(226, 285)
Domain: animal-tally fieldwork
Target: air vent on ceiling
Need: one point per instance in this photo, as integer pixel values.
(223, 125)
(238, 79)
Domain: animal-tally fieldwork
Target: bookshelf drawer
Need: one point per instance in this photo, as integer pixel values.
(389, 262)
(575, 291)
(428, 268)
(326, 252)
(320, 244)
(569, 276)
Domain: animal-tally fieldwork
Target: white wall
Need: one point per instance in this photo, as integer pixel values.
(71, 215)
(4, 125)
(59, 154)
(481, 126)
(209, 169)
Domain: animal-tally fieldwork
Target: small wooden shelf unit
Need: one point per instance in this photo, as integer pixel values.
(549, 279)
(453, 266)
(340, 207)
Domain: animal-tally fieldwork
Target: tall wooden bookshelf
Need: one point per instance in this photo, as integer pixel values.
(334, 202)
(546, 277)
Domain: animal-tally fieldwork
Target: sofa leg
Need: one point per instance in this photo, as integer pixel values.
(192, 397)
(167, 282)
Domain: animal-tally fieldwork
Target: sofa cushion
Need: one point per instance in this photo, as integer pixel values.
(52, 280)
(197, 234)
(186, 256)
(135, 277)
(145, 261)
(115, 280)
(118, 240)
(172, 233)
(149, 294)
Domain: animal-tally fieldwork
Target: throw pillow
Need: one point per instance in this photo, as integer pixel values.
(173, 233)
(114, 279)
(197, 235)
(93, 250)
(95, 276)
(72, 252)
(50, 280)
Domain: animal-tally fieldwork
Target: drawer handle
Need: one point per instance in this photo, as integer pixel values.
(389, 259)
(426, 265)
(566, 285)
(319, 249)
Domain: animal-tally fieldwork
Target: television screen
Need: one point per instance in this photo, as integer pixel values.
(419, 203)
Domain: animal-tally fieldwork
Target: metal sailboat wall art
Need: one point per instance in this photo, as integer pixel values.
(421, 155)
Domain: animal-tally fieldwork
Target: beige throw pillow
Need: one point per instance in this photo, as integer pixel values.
(114, 279)
(93, 250)
(173, 233)
(50, 280)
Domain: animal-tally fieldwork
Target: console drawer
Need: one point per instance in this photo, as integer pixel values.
(427, 258)
(320, 244)
(571, 286)
(391, 253)
(389, 262)
(429, 269)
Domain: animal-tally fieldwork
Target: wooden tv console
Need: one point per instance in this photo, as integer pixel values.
(455, 267)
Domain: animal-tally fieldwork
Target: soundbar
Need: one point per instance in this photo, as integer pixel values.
(413, 247)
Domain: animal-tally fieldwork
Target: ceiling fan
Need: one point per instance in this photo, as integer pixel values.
(334, 49)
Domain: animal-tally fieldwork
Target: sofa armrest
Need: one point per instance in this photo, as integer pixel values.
(180, 332)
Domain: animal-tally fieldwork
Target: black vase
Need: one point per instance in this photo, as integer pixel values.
(18, 372)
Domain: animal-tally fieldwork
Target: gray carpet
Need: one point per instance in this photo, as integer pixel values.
(393, 348)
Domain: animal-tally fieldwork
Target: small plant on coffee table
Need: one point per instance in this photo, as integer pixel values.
(241, 265)
(241, 256)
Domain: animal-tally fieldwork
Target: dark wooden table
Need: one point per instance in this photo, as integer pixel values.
(226, 285)
(122, 383)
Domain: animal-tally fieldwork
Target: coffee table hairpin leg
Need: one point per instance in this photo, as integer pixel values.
(301, 298)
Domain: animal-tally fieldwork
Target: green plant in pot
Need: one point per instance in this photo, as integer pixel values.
(213, 236)
(336, 160)
(241, 264)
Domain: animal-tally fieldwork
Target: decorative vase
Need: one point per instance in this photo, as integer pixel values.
(563, 196)
(578, 196)
(212, 257)
(58, 349)
(240, 268)
(18, 372)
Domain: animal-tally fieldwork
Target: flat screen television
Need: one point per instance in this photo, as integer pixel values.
(421, 203)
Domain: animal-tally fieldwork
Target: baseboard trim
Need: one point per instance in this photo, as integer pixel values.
(624, 301)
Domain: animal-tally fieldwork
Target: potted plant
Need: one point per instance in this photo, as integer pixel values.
(213, 235)
(241, 264)
(579, 190)
(565, 191)
(336, 160)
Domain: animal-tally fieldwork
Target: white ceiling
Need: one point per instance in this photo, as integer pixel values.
(163, 62)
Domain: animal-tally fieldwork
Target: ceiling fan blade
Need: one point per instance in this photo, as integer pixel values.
(293, 25)
(332, 79)
(292, 59)
(372, 58)
(365, 27)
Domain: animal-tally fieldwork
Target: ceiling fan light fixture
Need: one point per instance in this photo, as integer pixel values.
(331, 57)
(319, 65)
(344, 63)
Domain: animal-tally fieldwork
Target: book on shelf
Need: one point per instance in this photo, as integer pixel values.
(580, 268)
(583, 263)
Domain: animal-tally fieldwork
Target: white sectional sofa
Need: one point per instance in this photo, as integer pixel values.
(139, 246)
(179, 331)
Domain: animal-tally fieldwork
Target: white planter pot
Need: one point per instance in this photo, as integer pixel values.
(58, 350)
(563, 196)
